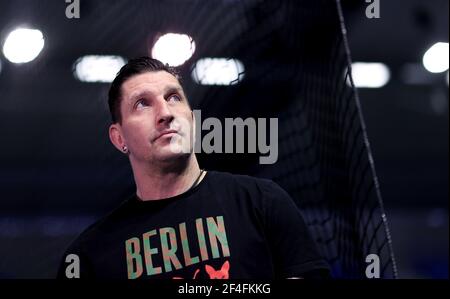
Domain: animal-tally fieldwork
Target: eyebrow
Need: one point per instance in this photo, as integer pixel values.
(173, 89)
(168, 90)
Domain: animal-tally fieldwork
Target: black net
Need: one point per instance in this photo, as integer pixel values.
(298, 53)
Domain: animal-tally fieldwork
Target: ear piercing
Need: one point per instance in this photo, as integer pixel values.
(125, 149)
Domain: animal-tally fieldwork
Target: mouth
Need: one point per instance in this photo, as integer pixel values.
(167, 132)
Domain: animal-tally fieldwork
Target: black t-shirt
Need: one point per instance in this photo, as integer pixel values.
(228, 226)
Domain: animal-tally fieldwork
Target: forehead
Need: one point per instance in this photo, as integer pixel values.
(154, 82)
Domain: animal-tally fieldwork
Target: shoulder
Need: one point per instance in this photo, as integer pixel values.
(102, 224)
(238, 179)
(246, 182)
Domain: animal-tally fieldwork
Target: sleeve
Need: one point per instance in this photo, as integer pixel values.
(75, 264)
(294, 251)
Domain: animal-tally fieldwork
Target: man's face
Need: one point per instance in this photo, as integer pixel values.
(156, 118)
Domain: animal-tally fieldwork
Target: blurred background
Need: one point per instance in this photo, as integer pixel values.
(407, 125)
(59, 172)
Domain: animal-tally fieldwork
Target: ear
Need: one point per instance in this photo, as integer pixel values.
(210, 270)
(115, 135)
(226, 266)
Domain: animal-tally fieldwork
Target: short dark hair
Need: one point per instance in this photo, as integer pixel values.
(133, 67)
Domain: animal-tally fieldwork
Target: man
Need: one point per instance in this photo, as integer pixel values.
(184, 222)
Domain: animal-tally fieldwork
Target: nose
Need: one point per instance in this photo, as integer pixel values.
(164, 116)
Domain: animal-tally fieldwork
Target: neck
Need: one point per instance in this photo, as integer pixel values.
(157, 182)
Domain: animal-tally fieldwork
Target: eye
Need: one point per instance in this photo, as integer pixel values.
(174, 97)
(141, 103)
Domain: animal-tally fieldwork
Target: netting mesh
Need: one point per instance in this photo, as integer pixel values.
(324, 156)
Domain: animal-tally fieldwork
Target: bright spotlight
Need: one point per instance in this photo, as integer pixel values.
(218, 71)
(97, 68)
(435, 59)
(370, 74)
(173, 48)
(23, 45)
